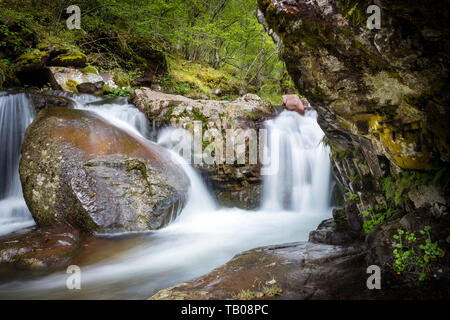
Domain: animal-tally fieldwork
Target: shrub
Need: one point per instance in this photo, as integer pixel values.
(410, 259)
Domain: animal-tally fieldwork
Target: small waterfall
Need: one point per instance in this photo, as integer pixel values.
(117, 111)
(204, 235)
(299, 174)
(16, 114)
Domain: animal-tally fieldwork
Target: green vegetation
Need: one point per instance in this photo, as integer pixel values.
(214, 49)
(353, 197)
(268, 292)
(375, 218)
(72, 85)
(118, 92)
(354, 11)
(395, 188)
(415, 257)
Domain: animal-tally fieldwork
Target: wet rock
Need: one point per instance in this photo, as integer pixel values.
(385, 85)
(295, 270)
(293, 103)
(91, 88)
(172, 108)
(234, 184)
(67, 79)
(80, 171)
(40, 248)
(48, 99)
(237, 196)
(327, 233)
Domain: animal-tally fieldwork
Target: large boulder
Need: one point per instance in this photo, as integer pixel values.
(79, 170)
(69, 59)
(388, 85)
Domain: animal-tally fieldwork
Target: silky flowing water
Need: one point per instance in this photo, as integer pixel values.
(16, 114)
(205, 235)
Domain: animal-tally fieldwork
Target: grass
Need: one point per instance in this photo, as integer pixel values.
(268, 292)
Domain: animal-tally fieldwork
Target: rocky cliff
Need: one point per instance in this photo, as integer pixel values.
(383, 102)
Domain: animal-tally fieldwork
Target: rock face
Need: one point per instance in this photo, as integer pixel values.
(389, 85)
(234, 184)
(383, 102)
(293, 271)
(79, 171)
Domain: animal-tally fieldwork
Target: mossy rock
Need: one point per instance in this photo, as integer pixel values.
(72, 85)
(70, 59)
(122, 80)
(31, 61)
(90, 70)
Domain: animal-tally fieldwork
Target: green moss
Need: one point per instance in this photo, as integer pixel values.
(73, 56)
(90, 70)
(72, 85)
(30, 57)
(122, 80)
(354, 11)
(396, 187)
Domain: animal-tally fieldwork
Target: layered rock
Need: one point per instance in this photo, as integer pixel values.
(234, 184)
(78, 170)
(382, 101)
(387, 85)
(294, 271)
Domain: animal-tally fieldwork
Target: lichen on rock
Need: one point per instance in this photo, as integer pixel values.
(79, 171)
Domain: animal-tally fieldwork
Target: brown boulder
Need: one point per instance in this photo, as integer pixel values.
(79, 170)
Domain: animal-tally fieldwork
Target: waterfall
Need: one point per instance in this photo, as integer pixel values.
(16, 113)
(204, 235)
(299, 172)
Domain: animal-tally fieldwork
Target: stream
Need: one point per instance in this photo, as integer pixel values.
(296, 198)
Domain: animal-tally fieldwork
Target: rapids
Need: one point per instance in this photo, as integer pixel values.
(205, 235)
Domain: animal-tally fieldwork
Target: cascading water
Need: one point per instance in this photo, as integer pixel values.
(204, 236)
(16, 113)
(300, 168)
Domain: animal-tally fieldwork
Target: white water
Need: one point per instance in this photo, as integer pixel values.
(301, 178)
(204, 236)
(16, 113)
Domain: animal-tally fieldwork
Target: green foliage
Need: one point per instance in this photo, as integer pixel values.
(272, 291)
(353, 197)
(268, 292)
(376, 218)
(413, 257)
(224, 35)
(72, 85)
(118, 92)
(395, 188)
